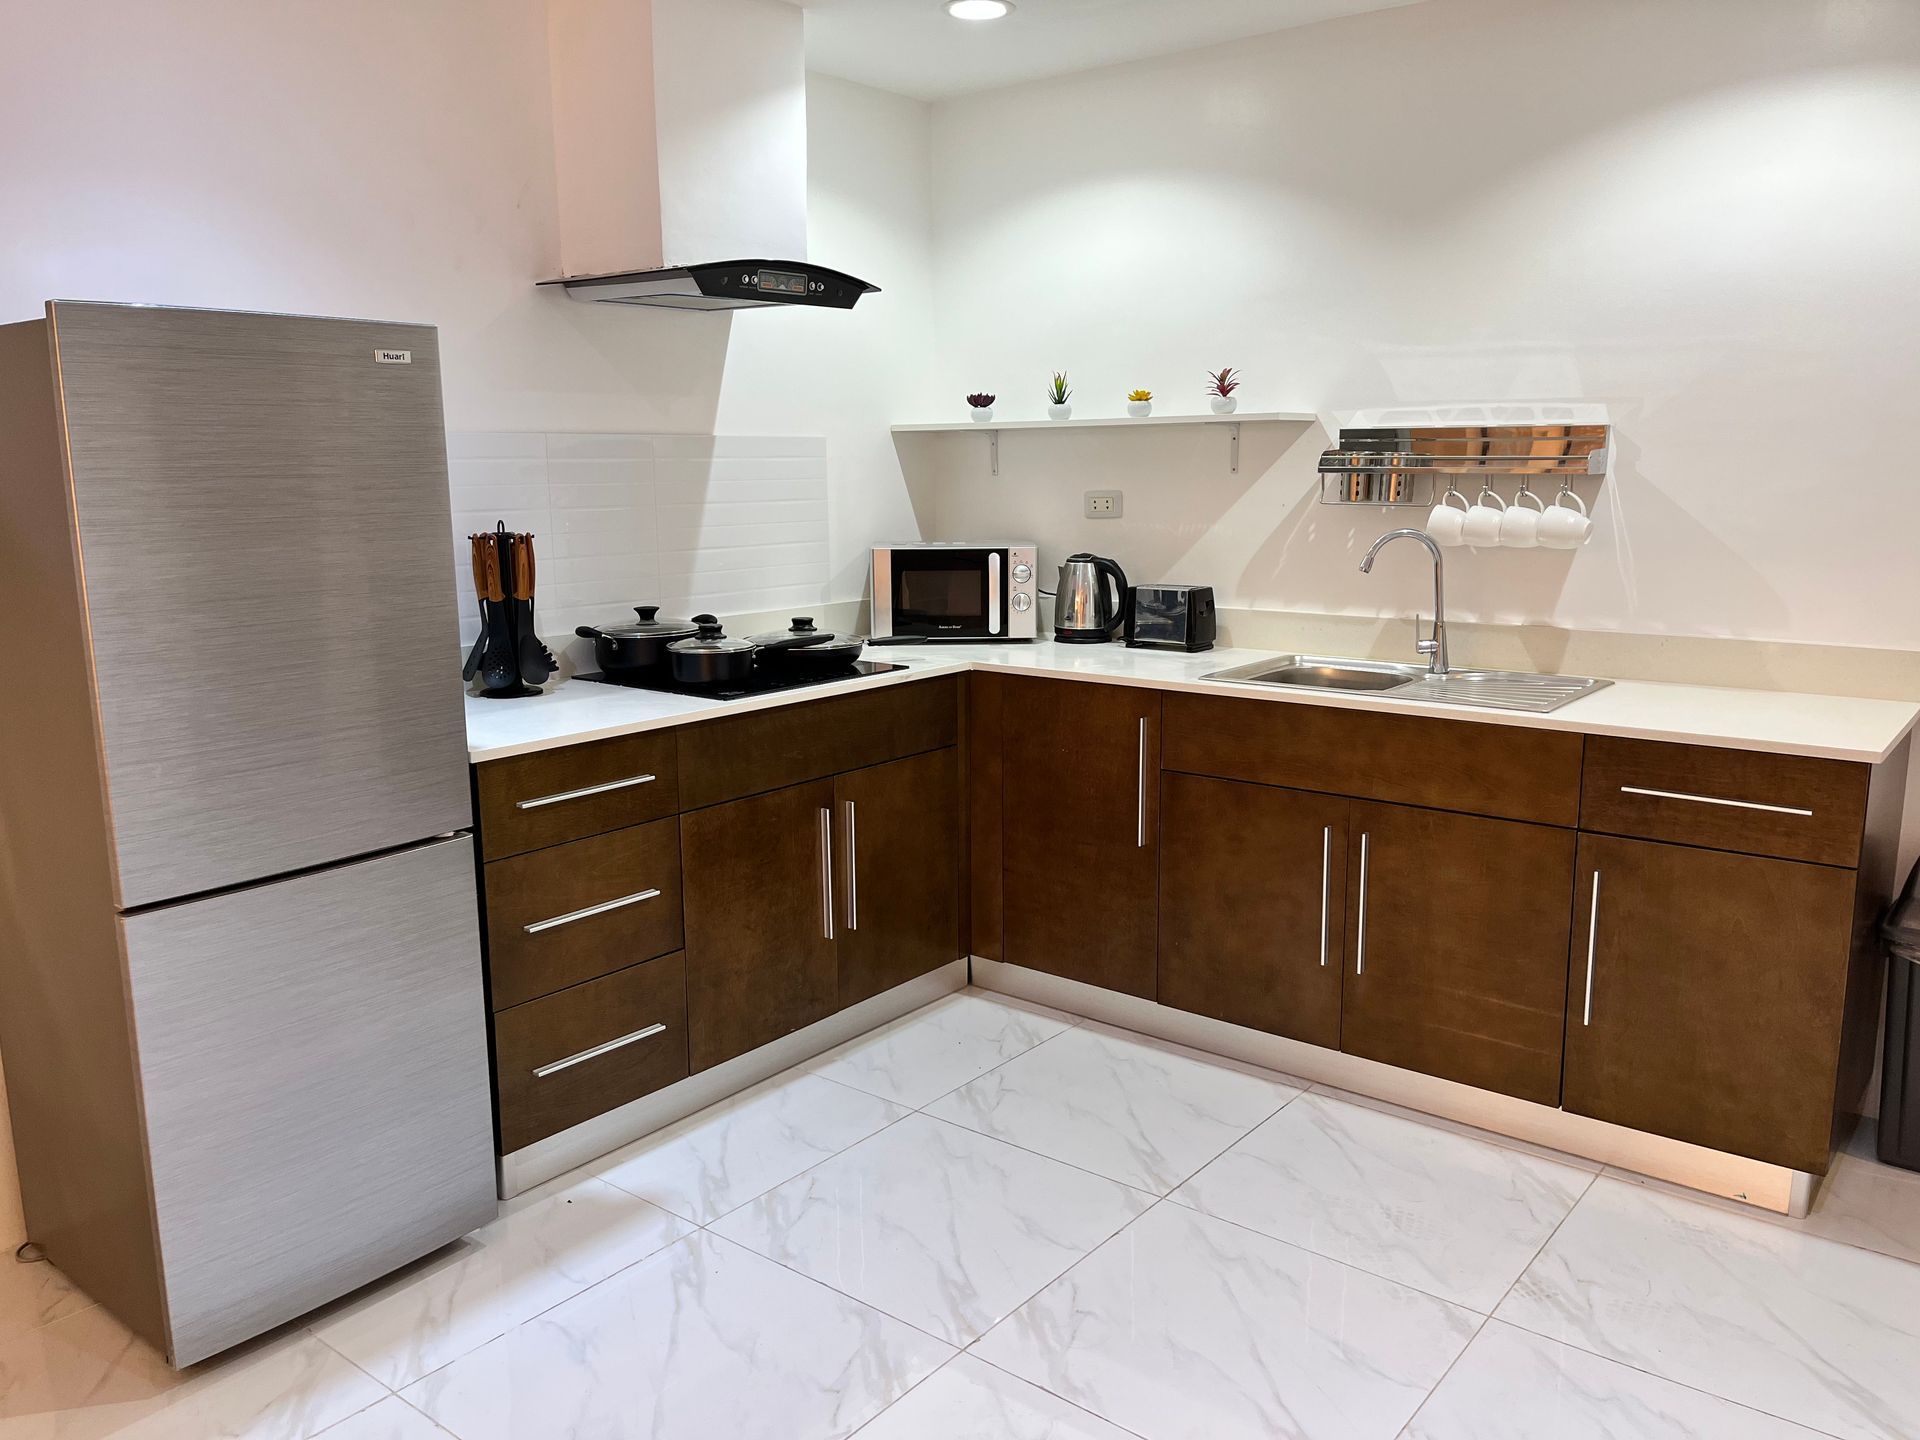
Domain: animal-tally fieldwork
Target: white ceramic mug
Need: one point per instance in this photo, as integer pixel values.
(1482, 527)
(1564, 527)
(1446, 522)
(1520, 526)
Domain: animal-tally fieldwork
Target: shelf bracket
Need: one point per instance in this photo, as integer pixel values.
(1233, 433)
(993, 449)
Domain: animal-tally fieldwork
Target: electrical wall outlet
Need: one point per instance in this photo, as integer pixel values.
(1105, 504)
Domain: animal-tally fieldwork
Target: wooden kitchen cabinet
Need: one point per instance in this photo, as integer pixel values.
(1253, 905)
(1706, 993)
(761, 959)
(898, 883)
(1081, 783)
(1457, 930)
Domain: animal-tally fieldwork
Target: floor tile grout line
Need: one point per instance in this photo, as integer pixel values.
(1487, 1319)
(1075, 1404)
(1038, 1154)
(1571, 1344)
(746, 1249)
(1330, 1259)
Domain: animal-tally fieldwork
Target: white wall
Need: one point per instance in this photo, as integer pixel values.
(1701, 215)
(364, 158)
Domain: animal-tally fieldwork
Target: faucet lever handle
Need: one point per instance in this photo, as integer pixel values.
(1427, 646)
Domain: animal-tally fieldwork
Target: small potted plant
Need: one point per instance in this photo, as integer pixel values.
(1139, 403)
(1220, 388)
(1058, 393)
(981, 405)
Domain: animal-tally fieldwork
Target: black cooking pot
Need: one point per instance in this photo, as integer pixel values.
(709, 657)
(630, 649)
(801, 649)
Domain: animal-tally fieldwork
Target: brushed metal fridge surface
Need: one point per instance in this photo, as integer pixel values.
(263, 524)
(313, 1059)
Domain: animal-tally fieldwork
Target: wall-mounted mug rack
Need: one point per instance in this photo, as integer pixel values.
(1395, 465)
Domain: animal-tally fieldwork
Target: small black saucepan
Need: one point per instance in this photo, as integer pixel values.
(710, 657)
(641, 646)
(804, 650)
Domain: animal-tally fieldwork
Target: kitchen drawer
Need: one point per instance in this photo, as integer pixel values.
(576, 911)
(597, 1044)
(555, 795)
(1793, 807)
(744, 755)
(1500, 770)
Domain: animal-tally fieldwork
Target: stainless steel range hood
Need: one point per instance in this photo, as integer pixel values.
(725, 285)
(680, 138)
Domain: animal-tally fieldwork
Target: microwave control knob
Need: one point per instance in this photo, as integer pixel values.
(1022, 601)
(1022, 573)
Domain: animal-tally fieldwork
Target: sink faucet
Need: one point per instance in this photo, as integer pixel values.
(1435, 649)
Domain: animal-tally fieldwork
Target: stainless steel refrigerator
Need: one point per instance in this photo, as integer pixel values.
(241, 1003)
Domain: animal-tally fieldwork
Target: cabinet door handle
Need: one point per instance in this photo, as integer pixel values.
(587, 914)
(1326, 887)
(1714, 800)
(1593, 935)
(583, 794)
(543, 1071)
(853, 869)
(1140, 793)
(826, 872)
(1360, 936)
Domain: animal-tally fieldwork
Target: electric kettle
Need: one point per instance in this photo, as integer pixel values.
(1084, 613)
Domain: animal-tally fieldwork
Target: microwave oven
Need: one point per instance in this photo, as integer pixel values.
(949, 591)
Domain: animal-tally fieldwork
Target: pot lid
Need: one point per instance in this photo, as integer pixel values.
(802, 635)
(710, 639)
(648, 627)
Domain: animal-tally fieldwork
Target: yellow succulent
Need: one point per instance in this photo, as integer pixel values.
(1138, 395)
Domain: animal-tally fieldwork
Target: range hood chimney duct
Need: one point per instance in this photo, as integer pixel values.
(680, 139)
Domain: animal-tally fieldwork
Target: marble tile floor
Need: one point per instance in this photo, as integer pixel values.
(994, 1220)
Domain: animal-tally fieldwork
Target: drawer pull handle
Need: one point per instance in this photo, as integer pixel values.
(583, 794)
(1360, 940)
(587, 914)
(1715, 800)
(597, 1051)
(1593, 936)
(853, 868)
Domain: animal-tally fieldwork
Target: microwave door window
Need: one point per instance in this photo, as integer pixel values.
(940, 599)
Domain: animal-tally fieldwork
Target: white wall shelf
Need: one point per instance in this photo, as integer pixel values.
(992, 428)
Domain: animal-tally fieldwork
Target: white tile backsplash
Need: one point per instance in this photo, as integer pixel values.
(729, 523)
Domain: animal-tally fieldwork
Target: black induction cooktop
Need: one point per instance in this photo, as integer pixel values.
(759, 683)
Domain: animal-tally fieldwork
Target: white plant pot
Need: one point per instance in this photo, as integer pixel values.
(981, 412)
(1059, 412)
(1225, 404)
(1139, 409)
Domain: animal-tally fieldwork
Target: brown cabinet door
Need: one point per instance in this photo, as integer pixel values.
(1081, 784)
(1704, 996)
(898, 881)
(759, 919)
(1456, 931)
(1253, 886)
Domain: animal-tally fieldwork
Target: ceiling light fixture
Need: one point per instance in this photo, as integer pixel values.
(979, 9)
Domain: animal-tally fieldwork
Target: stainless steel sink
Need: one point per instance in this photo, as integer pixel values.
(1318, 672)
(1482, 689)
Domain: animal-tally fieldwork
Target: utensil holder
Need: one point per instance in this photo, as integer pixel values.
(502, 624)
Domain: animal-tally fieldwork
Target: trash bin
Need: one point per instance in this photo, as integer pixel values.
(1900, 1068)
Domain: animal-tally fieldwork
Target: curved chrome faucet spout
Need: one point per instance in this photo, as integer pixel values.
(1434, 648)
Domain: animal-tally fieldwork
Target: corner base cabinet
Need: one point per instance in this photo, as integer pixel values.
(1081, 802)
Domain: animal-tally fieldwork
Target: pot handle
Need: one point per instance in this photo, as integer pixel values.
(1111, 571)
(587, 632)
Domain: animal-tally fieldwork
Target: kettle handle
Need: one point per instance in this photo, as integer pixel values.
(1109, 570)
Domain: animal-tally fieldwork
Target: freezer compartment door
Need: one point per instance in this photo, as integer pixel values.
(313, 1056)
(263, 519)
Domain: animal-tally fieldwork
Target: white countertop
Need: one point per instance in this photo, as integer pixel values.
(1835, 726)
